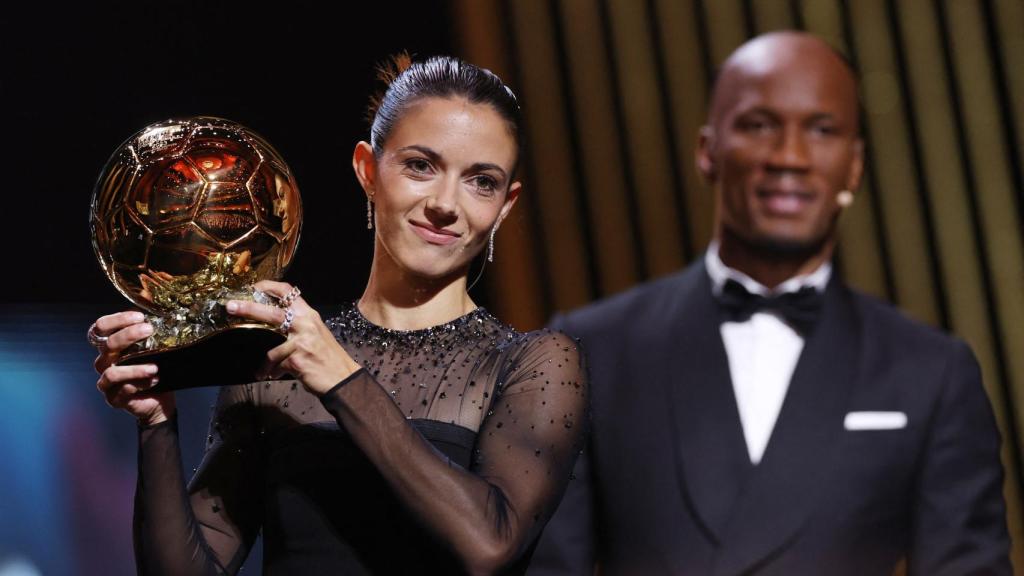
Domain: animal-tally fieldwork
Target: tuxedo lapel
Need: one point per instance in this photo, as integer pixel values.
(711, 454)
(781, 491)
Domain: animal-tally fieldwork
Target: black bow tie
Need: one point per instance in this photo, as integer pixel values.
(800, 309)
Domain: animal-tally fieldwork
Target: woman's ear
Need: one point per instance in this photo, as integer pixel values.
(510, 200)
(364, 163)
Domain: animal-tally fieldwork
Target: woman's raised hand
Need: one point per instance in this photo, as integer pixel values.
(121, 385)
(311, 354)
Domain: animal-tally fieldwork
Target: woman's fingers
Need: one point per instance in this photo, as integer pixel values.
(113, 333)
(125, 337)
(271, 315)
(279, 289)
(116, 375)
(287, 295)
(117, 383)
(119, 341)
(107, 325)
(280, 353)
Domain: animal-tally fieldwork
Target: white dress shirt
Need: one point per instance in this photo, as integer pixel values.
(762, 351)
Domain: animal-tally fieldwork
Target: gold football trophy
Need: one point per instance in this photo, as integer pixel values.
(186, 215)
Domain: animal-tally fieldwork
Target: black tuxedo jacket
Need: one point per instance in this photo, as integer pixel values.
(666, 485)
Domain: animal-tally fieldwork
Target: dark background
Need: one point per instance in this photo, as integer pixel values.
(78, 79)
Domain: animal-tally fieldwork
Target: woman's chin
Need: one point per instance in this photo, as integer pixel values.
(433, 272)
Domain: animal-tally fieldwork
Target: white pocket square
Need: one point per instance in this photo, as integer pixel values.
(875, 421)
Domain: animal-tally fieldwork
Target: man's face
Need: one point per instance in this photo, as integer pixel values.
(782, 142)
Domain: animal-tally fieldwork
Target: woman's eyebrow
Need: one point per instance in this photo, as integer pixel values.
(428, 152)
(435, 156)
(484, 166)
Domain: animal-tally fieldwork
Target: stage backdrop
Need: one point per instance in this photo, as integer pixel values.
(614, 92)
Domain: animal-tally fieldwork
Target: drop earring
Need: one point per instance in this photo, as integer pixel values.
(369, 213)
(490, 245)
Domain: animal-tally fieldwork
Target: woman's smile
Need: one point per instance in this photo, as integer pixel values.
(434, 235)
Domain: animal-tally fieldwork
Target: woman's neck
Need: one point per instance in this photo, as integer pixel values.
(398, 300)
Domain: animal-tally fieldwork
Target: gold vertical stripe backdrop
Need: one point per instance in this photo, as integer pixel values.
(772, 15)
(615, 90)
(1009, 18)
(890, 154)
(551, 154)
(687, 87)
(602, 173)
(646, 137)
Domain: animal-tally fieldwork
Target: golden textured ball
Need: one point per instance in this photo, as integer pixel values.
(192, 205)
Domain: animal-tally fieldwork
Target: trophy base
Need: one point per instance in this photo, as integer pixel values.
(228, 357)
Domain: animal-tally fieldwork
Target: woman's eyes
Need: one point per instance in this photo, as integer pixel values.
(482, 183)
(485, 183)
(418, 165)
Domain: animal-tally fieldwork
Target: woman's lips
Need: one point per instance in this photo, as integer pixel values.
(433, 234)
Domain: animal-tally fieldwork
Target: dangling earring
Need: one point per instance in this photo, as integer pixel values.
(490, 245)
(369, 213)
(844, 198)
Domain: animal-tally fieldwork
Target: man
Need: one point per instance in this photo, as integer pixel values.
(753, 415)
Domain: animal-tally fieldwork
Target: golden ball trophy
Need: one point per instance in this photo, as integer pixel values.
(186, 215)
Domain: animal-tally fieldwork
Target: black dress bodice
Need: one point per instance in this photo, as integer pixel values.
(357, 481)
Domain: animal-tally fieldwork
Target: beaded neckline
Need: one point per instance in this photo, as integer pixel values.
(361, 321)
(351, 323)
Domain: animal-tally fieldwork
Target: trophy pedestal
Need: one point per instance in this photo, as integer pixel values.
(231, 356)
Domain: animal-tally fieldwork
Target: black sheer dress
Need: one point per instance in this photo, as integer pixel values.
(446, 453)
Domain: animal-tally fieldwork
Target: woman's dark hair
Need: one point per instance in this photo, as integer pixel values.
(438, 77)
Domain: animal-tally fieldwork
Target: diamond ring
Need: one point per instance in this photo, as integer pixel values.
(95, 340)
(290, 297)
(285, 326)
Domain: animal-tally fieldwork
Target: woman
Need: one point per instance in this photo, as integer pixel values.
(420, 435)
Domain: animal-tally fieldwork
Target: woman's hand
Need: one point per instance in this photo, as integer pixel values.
(311, 353)
(121, 385)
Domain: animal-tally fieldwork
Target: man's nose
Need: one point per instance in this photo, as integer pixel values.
(791, 150)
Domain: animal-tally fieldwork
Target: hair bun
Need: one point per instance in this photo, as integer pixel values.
(387, 72)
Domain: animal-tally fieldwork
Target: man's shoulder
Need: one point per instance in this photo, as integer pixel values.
(636, 306)
(884, 322)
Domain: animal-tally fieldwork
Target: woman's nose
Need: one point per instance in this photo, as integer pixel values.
(441, 205)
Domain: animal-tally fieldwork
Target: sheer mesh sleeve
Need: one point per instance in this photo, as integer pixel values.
(208, 527)
(491, 513)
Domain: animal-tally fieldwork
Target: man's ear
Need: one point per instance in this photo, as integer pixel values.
(364, 163)
(703, 154)
(856, 167)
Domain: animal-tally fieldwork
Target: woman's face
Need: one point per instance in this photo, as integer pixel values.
(440, 184)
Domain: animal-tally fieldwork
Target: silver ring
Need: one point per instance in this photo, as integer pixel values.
(95, 340)
(290, 297)
(285, 326)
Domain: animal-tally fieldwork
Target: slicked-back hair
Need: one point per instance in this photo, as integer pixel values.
(437, 77)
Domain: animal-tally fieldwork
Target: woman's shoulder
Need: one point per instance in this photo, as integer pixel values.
(549, 339)
(549, 350)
